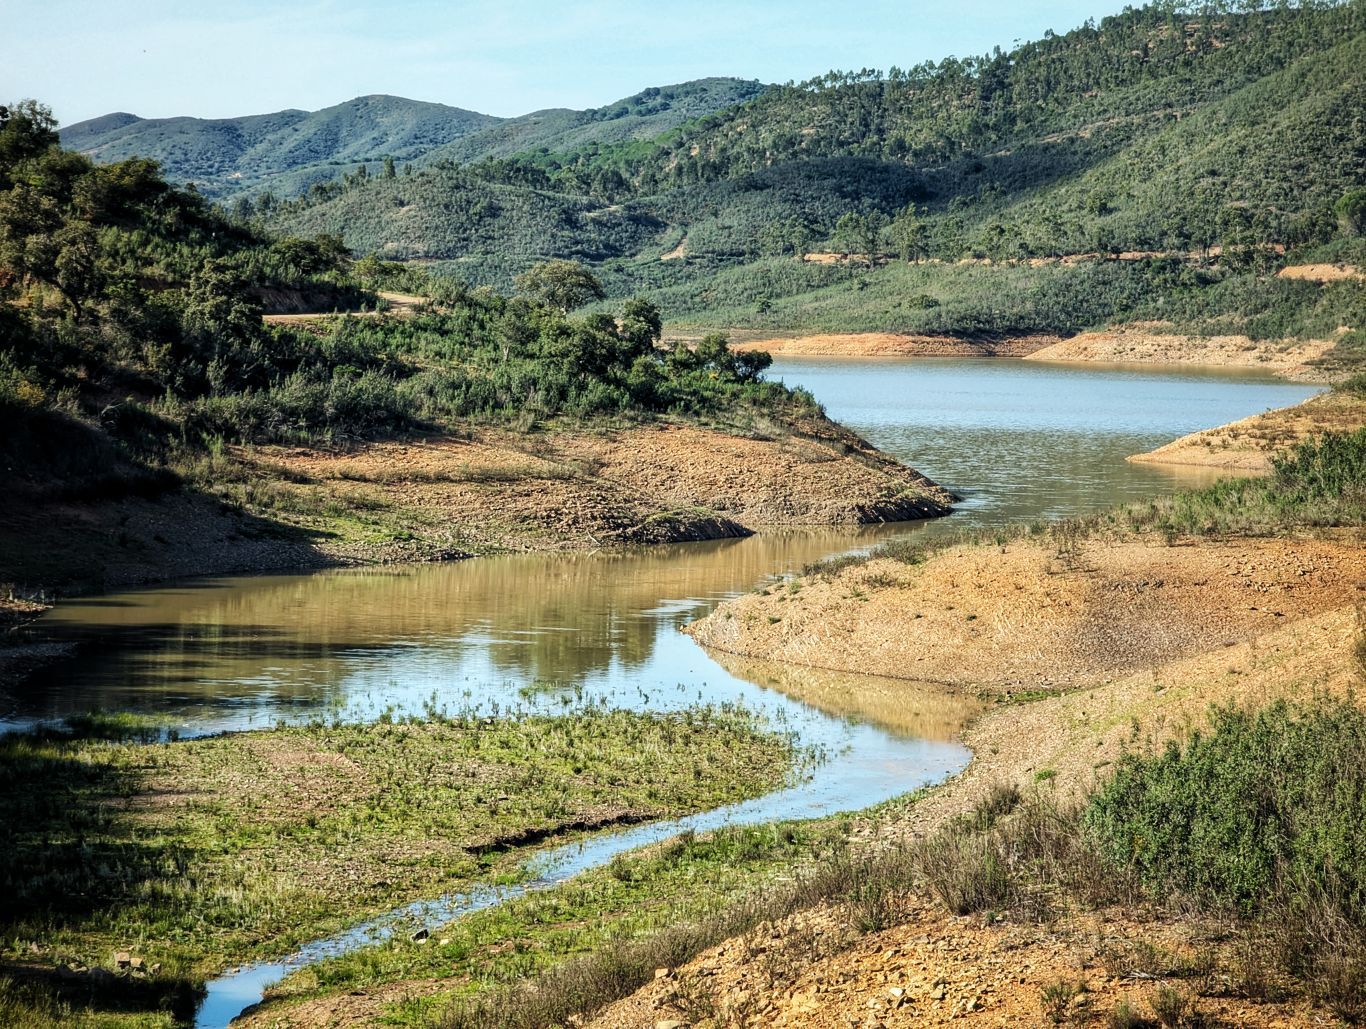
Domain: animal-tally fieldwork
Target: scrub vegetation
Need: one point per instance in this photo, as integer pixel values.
(850, 201)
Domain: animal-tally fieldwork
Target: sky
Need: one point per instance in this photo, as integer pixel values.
(160, 58)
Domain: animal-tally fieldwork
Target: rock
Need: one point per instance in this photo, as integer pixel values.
(421, 936)
(669, 1023)
(155, 969)
(136, 964)
(102, 977)
(663, 973)
(122, 959)
(897, 992)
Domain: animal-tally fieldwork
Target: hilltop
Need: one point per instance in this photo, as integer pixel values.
(289, 151)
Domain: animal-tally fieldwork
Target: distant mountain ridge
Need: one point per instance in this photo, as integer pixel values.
(288, 151)
(290, 148)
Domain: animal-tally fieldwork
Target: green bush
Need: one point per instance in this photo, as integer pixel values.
(1259, 804)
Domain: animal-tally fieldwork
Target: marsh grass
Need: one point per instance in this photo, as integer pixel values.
(199, 853)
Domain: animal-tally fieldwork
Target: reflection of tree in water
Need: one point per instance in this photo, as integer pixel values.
(298, 639)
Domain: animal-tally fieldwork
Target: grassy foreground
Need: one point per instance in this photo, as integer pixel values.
(193, 855)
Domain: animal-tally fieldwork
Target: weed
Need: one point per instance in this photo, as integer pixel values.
(1057, 1000)
(1125, 1016)
(1174, 1007)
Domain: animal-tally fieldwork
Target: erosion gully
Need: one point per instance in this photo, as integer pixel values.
(1019, 441)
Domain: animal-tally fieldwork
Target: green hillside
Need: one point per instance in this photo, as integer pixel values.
(643, 116)
(286, 151)
(289, 151)
(1214, 142)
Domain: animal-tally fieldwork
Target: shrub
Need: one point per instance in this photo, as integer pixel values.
(1261, 802)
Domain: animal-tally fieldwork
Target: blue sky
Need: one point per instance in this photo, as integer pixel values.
(158, 58)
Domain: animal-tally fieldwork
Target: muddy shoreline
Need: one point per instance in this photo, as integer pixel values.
(446, 497)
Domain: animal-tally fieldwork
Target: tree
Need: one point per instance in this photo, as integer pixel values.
(562, 285)
(861, 233)
(909, 234)
(1351, 212)
(27, 130)
(390, 171)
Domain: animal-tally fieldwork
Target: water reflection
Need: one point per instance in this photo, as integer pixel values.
(233, 653)
(925, 712)
(1019, 440)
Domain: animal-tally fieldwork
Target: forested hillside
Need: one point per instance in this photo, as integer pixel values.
(287, 151)
(1154, 130)
(132, 338)
(1194, 149)
(643, 116)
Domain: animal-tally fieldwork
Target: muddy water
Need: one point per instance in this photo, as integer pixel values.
(1018, 440)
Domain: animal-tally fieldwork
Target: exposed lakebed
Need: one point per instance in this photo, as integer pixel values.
(1018, 440)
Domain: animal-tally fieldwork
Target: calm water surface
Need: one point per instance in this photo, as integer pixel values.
(1017, 440)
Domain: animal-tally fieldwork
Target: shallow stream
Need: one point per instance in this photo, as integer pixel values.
(1017, 440)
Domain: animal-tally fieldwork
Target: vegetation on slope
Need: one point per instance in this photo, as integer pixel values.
(287, 150)
(132, 316)
(1211, 141)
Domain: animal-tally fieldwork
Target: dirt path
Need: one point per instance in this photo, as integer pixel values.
(1322, 272)
(401, 305)
(1249, 445)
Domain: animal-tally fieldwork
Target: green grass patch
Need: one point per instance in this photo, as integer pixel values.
(197, 854)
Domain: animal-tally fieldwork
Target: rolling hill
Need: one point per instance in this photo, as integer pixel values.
(287, 150)
(1159, 135)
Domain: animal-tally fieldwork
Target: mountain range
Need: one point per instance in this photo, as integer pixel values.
(290, 150)
(1157, 133)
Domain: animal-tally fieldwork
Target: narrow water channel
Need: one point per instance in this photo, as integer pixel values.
(1018, 440)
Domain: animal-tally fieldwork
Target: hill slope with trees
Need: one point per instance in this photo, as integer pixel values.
(289, 150)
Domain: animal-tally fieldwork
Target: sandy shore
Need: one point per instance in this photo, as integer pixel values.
(1040, 615)
(437, 498)
(1247, 446)
(1139, 344)
(891, 344)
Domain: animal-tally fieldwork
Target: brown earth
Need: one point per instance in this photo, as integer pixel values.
(436, 498)
(894, 345)
(1250, 444)
(1138, 344)
(654, 483)
(890, 344)
(1321, 272)
(817, 969)
(1032, 615)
